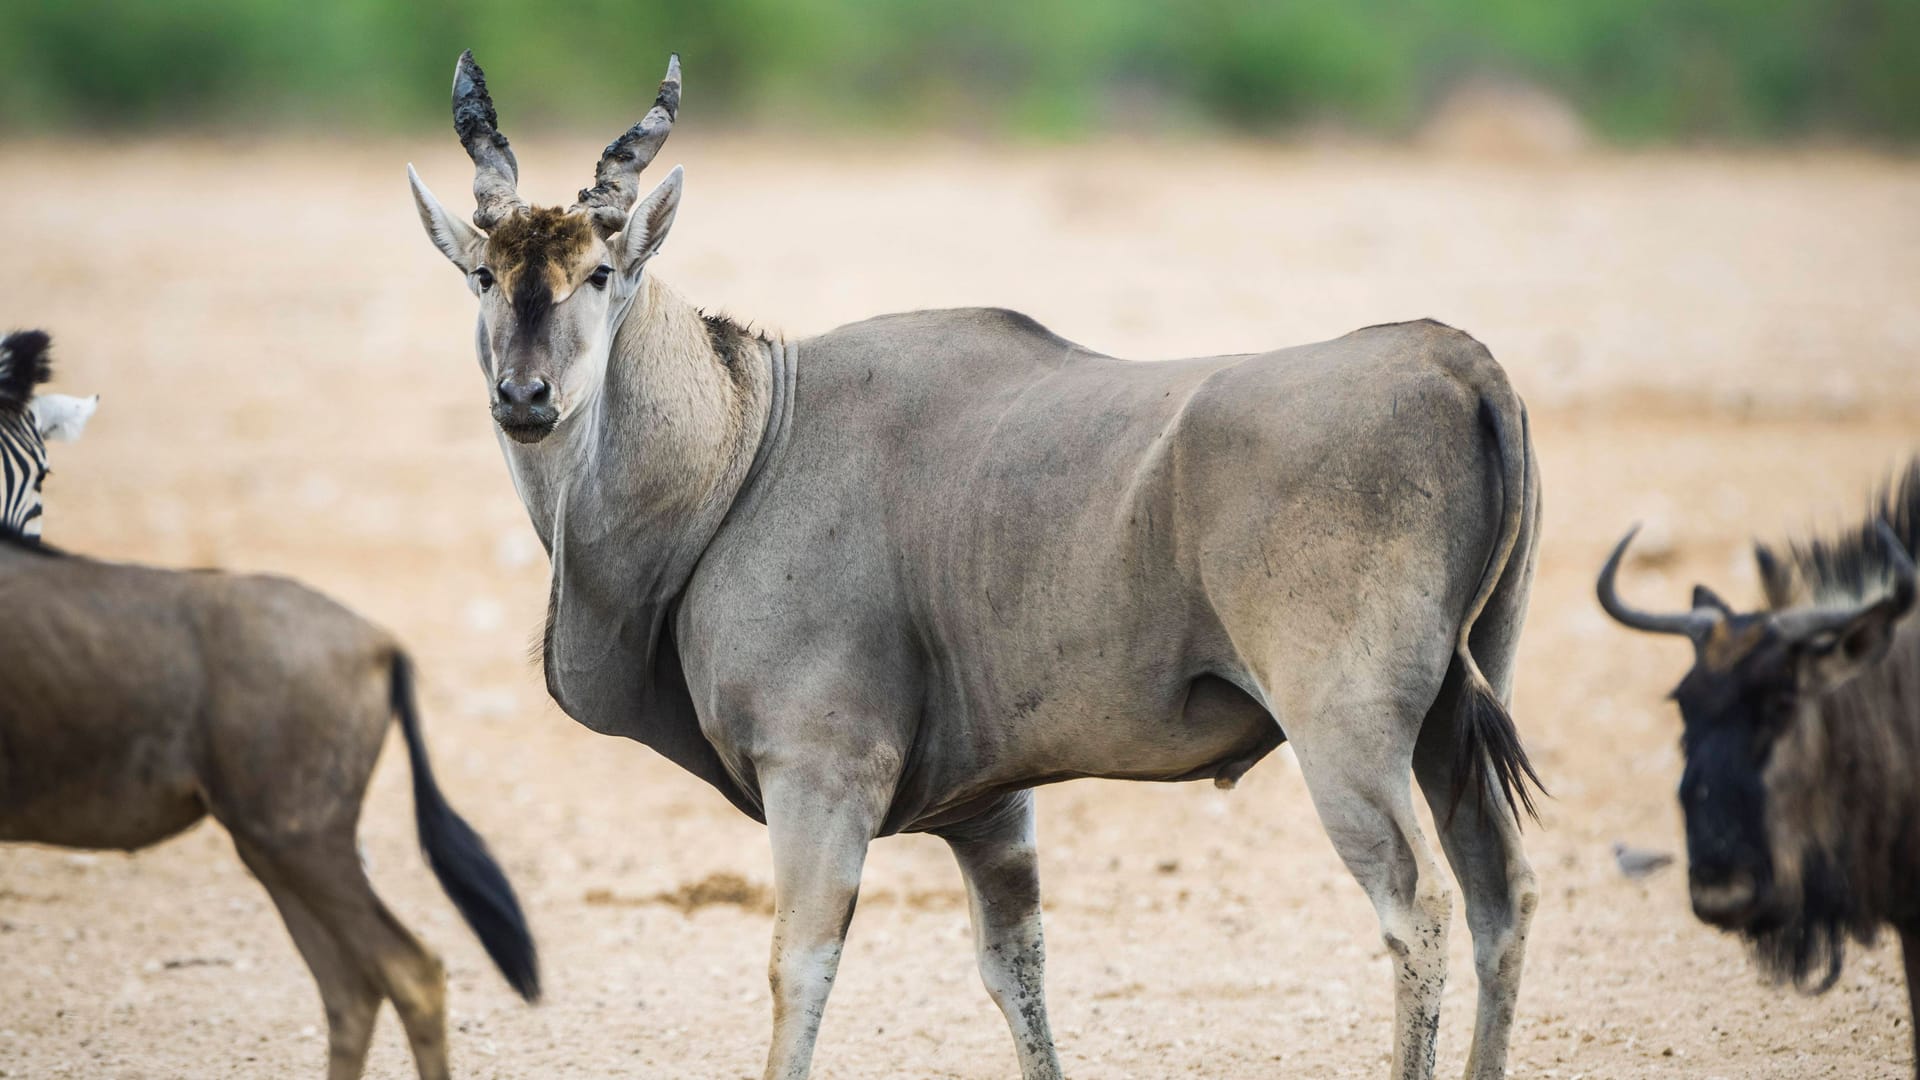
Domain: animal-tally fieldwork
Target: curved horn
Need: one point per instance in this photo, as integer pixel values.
(615, 188)
(495, 172)
(1901, 563)
(1692, 624)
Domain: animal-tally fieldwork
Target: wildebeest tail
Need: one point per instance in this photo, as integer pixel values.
(1484, 737)
(459, 858)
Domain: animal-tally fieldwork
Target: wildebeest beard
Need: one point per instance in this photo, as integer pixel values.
(1802, 937)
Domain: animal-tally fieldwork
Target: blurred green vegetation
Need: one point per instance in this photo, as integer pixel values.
(1636, 69)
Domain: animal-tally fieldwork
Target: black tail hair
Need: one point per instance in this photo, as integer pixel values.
(1485, 740)
(24, 364)
(460, 859)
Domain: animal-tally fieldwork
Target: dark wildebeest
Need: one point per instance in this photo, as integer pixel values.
(1802, 741)
(135, 701)
(892, 577)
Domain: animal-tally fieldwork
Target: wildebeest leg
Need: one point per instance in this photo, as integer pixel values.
(1358, 770)
(1482, 844)
(820, 828)
(997, 859)
(350, 998)
(1910, 949)
(326, 876)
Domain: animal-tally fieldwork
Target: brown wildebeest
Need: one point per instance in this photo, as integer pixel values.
(1802, 740)
(135, 701)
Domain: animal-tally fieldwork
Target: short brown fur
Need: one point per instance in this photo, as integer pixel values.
(255, 701)
(544, 237)
(1726, 644)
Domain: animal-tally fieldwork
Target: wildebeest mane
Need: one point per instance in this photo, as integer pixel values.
(1842, 788)
(1852, 565)
(24, 364)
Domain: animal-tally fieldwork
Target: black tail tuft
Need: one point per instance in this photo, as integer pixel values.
(459, 858)
(24, 364)
(1484, 738)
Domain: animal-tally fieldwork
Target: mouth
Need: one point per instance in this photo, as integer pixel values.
(526, 425)
(1729, 905)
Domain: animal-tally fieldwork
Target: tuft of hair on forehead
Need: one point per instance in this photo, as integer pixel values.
(543, 236)
(1730, 640)
(1851, 566)
(24, 364)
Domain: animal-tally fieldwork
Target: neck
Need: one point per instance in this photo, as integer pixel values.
(653, 461)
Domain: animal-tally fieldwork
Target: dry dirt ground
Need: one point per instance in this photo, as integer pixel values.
(1724, 345)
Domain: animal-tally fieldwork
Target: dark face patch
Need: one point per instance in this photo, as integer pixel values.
(1735, 704)
(534, 254)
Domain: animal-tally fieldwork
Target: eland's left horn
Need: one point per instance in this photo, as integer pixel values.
(615, 180)
(495, 172)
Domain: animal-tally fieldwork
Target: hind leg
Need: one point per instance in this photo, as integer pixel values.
(997, 859)
(1479, 833)
(351, 1000)
(324, 877)
(1356, 759)
(1482, 844)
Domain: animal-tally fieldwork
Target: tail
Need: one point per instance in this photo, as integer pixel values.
(1484, 736)
(459, 858)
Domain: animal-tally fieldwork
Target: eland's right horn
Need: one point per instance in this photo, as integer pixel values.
(495, 172)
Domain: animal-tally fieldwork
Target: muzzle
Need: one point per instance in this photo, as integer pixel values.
(524, 408)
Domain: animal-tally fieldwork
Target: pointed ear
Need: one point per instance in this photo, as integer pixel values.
(1705, 599)
(648, 224)
(1775, 578)
(1831, 657)
(460, 242)
(60, 417)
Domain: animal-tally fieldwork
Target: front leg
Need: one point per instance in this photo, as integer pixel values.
(998, 860)
(820, 827)
(1910, 950)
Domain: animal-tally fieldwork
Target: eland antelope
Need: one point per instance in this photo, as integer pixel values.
(1801, 730)
(892, 577)
(27, 420)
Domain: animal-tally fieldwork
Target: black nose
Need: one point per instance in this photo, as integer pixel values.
(532, 392)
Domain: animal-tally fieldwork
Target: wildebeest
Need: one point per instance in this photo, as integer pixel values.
(135, 701)
(892, 577)
(27, 420)
(1802, 738)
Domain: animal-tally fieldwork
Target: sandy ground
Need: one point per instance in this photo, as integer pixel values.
(1726, 346)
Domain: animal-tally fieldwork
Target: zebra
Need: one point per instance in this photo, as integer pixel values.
(27, 421)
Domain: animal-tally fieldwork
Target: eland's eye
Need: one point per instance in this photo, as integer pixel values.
(600, 275)
(484, 277)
